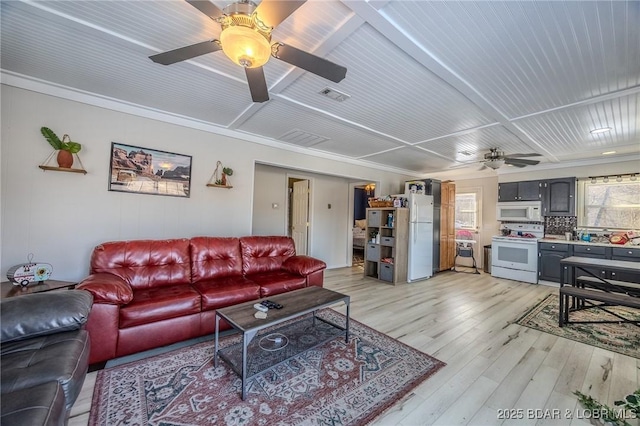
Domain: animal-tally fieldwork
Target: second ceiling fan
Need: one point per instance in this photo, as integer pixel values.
(495, 159)
(246, 40)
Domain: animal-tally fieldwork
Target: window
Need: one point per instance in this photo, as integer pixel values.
(466, 211)
(612, 205)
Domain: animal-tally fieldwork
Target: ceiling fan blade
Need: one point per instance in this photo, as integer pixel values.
(187, 52)
(273, 12)
(518, 162)
(206, 7)
(309, 62)
(257, 84)
(531, 154)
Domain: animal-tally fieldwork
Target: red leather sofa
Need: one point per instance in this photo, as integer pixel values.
(151, 293)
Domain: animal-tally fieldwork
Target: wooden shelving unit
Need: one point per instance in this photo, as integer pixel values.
(392, 245)
(213, 185)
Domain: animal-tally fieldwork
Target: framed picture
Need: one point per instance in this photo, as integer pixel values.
(149, 171)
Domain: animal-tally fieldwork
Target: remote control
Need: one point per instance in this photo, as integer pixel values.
(260, 307)
(271, 305)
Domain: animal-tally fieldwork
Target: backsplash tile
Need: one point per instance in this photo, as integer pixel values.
(558, 225)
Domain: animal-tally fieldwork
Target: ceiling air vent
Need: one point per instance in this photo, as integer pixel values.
(334, 94)
(302, 138)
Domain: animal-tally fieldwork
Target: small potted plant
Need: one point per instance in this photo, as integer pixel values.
(226, 171)
(65, 147)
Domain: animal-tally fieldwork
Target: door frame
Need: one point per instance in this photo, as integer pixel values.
(288, 206)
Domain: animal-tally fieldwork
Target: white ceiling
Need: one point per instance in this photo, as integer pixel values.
(428, 80)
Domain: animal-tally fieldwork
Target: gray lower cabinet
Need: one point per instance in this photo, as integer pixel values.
(550, 254)
(629, 255)
(595, 252)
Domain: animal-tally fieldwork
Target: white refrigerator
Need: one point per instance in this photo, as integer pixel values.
(420, 237)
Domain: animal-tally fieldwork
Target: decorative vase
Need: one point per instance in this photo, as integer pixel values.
(224, 180)
(65, 159)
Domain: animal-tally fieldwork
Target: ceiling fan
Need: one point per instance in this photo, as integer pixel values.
(495, 159)
(246, 40)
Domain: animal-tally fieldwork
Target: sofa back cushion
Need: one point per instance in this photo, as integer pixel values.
(145, 263)
(265, 254)
(215, 257)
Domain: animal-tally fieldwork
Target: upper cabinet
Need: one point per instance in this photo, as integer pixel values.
(519, 191)
(559, 197)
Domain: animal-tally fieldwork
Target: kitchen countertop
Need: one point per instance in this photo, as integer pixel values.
(561, 240)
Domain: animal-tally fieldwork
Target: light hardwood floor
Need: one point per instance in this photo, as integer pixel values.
(493, 366)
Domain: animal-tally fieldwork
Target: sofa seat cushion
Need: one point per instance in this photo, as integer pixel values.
(160, 303)
(39, 405)
(223, 292)
(277, 282)
(62, 358)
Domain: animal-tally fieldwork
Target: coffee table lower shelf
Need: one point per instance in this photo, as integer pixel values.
(275, 346)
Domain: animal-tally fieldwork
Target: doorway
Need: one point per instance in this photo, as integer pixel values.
(298, 217)
(361, 194)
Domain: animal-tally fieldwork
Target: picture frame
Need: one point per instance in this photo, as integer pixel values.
(139, 170)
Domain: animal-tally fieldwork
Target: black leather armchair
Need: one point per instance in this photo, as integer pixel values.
(44, 356)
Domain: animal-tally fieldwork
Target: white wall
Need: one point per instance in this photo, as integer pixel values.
(330, 230)
(60, 217)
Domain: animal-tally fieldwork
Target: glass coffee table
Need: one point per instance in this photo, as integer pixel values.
(301, 329)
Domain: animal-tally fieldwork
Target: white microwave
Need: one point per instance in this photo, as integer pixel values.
(519, 211)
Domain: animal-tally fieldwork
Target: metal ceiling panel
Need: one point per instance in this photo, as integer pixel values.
(528, 56)
(73, 55)
(390, 92)
(566, 131)
(279, 117)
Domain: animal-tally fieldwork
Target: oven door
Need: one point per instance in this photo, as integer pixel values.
(519, 255)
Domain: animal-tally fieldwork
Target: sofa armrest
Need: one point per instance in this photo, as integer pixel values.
(107, 288)
(41, 314)
(303, 265)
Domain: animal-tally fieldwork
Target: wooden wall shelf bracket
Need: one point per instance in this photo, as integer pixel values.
(48, 164)
(213, 185)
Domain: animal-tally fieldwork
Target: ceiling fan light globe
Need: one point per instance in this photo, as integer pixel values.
(245, 46)
(494, 164)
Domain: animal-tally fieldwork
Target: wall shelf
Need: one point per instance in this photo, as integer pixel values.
(213, 185)
(63, 169)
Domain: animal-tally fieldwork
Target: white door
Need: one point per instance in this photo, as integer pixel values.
(300, 215)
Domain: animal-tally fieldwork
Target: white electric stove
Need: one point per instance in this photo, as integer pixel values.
(514, 253)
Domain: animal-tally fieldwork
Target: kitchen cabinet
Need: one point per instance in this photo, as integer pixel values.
(596, 252)
(519, 191)
(558, 197)
(391, 244)
(549, 256)
(629, 255)
(447, 225)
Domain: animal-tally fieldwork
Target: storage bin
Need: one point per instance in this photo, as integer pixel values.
(386, 272)
(387, 241)
(375, 218)
(373, 252)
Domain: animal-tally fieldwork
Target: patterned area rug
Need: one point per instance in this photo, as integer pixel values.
(333, 384)
(622, 338)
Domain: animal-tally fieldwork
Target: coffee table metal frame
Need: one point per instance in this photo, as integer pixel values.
(306, 301)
